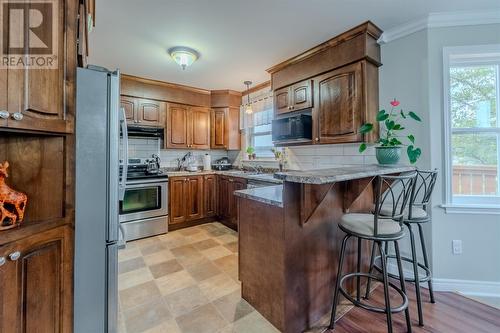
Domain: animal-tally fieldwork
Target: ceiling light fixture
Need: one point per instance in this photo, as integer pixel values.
(248, 107)
(184, 56)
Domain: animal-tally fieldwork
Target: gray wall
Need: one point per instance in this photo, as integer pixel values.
(412, 72)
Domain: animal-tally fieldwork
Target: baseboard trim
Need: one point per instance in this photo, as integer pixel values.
(465, 287)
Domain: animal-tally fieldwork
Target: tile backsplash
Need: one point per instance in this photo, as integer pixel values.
(144, 148)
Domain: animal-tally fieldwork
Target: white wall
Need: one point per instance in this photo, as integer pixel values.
(412, 72)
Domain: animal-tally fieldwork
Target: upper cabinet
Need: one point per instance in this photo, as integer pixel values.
(187, 127)
(337, 81)
(294, 98)
(42, 99)
(339, 100)
(225, 125)
(142, 111)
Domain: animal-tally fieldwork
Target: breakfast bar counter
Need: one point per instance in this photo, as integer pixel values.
(289, 246)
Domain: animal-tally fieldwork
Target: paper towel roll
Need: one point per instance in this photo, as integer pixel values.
(207, 162)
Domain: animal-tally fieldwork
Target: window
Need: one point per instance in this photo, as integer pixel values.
(472, 96)
(258, 125)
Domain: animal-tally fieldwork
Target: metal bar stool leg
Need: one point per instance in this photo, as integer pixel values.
(402, 282)
(370, 271)
(358, 278)
(337, 283)
(416, 275)
(386, 287)
(426, 260)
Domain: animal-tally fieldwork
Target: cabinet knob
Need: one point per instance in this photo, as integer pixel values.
(17, 116)
(2, 261)
(4, 114)
(317, 139)
(14, 255)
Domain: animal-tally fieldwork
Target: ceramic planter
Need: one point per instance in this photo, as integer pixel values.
(388, 155)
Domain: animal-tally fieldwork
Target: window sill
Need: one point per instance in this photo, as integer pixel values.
(471, 209)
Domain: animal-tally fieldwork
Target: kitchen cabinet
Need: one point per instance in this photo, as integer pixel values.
(36, 279)
(210, 195)
(39, 99)
(187, 127)
(144, 112)
(228, 205)
(294, 98)
(225, 129)
(186, 199)
(339, 101)
(194, 198)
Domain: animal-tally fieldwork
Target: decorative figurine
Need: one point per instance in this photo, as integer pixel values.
(12, 202)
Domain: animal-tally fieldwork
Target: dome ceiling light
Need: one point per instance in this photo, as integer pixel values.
(184, 56)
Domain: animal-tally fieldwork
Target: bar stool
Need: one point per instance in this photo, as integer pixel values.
(379, 229)
(416, 214)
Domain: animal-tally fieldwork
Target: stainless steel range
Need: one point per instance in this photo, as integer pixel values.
(144, 209)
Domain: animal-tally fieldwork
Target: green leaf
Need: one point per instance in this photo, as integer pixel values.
(362, 147)
(395, 142)
(413, 153)
(414, 116)
(397, 127)
(389, 124)
(384, 142)
(411, 138)
(402, 114)
(366, 128)
(381, 115)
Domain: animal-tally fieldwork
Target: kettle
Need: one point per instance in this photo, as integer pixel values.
(153, 165)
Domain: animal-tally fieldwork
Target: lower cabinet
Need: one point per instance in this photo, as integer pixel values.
(186, 199)
(228, 204)
(210, 195)
(36, 280)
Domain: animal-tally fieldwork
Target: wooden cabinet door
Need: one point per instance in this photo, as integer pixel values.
(3, 98)
(301, 95)
(129, 104)
(199, 134)
(210, 195)
(282, 100)
(194, 198)
(237, 184)
(218, 129)
(177, 126)
(177, 196)
(149, 112)
(40, 97)
(37, 283)
(224, 190)
(339, 103)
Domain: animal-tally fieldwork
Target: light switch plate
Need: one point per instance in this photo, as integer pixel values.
(457, 246)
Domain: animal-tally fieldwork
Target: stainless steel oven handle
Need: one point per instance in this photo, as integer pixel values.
(123, 179)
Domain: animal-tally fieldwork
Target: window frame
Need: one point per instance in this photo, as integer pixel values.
(263, 152)
(475, 55)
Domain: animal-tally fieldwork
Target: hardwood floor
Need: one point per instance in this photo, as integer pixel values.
(451, 313)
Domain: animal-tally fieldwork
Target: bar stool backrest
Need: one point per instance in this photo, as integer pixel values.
(424, 185)
(393, 192)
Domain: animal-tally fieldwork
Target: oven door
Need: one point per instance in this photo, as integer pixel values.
(144, 199)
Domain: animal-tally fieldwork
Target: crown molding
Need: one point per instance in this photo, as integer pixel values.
(440, 20)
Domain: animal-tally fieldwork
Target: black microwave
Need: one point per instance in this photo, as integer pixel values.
(292, 129)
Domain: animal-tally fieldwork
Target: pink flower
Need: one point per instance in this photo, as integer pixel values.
(395, 103)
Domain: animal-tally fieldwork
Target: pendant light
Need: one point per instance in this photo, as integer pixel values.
(184, 56)
(248, 107)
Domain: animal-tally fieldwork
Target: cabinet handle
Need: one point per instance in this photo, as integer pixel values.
(17, 116)
(2, 261)
(4, 114)
(14, 255)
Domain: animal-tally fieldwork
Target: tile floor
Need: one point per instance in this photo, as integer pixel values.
(185, 281)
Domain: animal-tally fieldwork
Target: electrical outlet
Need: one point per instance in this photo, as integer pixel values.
(457, 246)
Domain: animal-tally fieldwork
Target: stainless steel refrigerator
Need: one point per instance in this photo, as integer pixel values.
(99, 187)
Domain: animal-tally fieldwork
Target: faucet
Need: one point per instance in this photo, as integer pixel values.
(257, 168)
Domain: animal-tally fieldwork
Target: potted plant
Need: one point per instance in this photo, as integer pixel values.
(279, 155)
(389, 150)
(251, 152)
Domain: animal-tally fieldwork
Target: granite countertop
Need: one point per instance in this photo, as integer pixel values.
(272, 195)
(341, 173)
(265, 177)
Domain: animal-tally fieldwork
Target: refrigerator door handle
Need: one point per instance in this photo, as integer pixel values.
(123, 179)
(122, 237)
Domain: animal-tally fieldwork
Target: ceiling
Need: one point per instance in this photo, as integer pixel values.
(237, 39)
